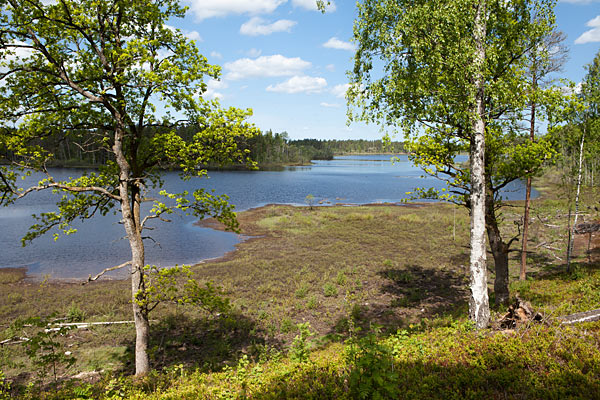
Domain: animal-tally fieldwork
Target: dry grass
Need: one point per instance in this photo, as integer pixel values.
(394, 266)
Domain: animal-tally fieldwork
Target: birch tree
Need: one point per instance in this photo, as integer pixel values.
(101, 69)
(444, 73)
(589, 121)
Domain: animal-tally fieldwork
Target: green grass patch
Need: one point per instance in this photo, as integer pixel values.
(383, 289)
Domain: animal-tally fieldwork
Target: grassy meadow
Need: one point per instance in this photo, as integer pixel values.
(333, 302)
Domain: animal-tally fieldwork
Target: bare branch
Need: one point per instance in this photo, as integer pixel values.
(90, 279)
(153, 216)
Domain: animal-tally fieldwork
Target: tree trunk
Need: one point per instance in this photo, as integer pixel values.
(499, 251)
(130, 212)
(523, 271)
(479, 309)
(572, 228)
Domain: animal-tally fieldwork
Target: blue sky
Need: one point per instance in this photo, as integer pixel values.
(288, 62)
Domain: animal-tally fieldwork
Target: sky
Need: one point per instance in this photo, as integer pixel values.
(288, 62)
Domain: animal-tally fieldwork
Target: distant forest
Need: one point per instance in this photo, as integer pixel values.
(267, 149)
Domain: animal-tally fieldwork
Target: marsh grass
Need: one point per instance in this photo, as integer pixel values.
(397, 267)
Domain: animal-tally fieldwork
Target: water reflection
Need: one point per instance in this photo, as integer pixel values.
(99, 242)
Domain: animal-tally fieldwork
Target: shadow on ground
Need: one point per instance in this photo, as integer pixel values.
(205, 343)
(409, 295)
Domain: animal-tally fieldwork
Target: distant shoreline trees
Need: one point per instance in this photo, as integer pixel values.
(268, 149)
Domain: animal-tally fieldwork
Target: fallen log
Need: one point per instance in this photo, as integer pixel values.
(587, 227)
(586, 316)
(14, 341)
(83, 325)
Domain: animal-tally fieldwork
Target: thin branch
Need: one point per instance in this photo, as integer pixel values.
(91, 279)
(75, 189)
(153, 216)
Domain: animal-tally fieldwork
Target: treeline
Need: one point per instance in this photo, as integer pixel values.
(276, 148)
(267, 149)
(568, 144)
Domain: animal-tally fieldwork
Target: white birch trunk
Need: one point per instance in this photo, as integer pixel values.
(479, 309)
(572, 228)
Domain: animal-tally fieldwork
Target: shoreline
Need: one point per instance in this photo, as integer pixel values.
(539, 184)
(210, 223)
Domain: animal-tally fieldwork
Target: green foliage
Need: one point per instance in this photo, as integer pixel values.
(302, 291)
(330, 290)
(75, 313)
(42, 344)
(426, 88)
(371, 366)
(583, 116)
(4, 387)
(300, 350)
(94, 75)
(176, 285)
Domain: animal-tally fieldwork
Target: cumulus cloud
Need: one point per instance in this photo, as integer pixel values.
(258, 26)
(212, 89)
(216, 54)
(330, 67)
(335, 43)
(592, 35)
(340, 90)
(330, 105)
(19, 52)
(192, 35)
(299, 84)
(265, 66)
(254, 52)
(312, 5)
(203, 9)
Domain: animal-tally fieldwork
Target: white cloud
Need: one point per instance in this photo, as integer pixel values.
(330, 105)
(219, 8)
(192, 35)
(593, 35)
(312, 5)
(258, 26)
(212, 89)
(330, 67)
(265, 66)
(18, 52)
(300, 84)
(254, 52)
(340, 90)
(335, 43)
(216, 54)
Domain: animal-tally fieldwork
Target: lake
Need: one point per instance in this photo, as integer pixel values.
(99, 242)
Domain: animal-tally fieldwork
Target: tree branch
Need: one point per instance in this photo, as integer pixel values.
(91, 279)
(75, 189)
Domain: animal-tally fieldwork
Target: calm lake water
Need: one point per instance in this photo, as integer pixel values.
(99, 242)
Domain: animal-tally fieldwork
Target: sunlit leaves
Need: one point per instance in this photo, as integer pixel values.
(94, 68)
(177, 285)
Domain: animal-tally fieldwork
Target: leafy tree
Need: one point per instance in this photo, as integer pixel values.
(590, 95)
(100, 71)
(584, 142)
(450, 75)
(545, 57)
